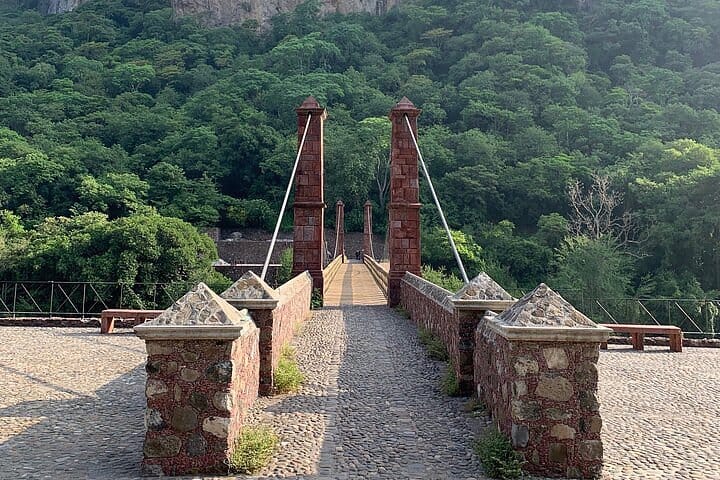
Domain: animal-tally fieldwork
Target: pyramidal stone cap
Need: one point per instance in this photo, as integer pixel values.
(543, 315)
(199, 314)
(483, 293)
(250, 291)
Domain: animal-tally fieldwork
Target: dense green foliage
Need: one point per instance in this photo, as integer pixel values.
(117, 108)
(137, 251)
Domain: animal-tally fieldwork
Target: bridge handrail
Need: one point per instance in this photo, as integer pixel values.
(379, 274)
(331, 270)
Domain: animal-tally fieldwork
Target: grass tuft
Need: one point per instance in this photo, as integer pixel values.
(433, 345)
(253, 449)
(450, 384)
(288, 378)
(475, 407)
(498, 458)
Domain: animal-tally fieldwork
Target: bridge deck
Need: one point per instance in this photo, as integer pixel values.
(353, 285)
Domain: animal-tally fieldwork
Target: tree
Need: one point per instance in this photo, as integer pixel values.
(133, 250)
(596, 213)
(591, 269)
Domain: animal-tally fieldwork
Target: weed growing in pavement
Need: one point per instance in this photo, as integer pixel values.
(434, 347)
(498, 458)
(450, 384)
(287, 377)
(253, 449)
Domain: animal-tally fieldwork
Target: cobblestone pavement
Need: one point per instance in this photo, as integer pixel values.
(72, 403)
(372, 408)
(661, 413)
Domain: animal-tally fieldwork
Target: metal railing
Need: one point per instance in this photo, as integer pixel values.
(694, 316)
(84, 299)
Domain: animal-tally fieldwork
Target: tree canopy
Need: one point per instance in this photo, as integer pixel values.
(119, 109)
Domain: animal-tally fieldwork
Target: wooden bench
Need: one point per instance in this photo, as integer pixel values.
(107, 317)
(637, 334)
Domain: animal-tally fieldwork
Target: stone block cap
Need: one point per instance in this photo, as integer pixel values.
(544, 307)
(405, 107)
(199, 314)
(312, 106)
(544, 316)
(250, 287)
(405, 104)
(482, 287)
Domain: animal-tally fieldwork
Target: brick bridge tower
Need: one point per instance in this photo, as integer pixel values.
(404, 206)
(309, 206)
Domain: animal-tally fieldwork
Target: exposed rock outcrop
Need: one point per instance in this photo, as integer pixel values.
(232, 12)
(50, 7)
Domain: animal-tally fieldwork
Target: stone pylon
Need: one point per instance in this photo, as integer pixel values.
(404, 206)
(309, 206)
(340, 229)
(367, 230)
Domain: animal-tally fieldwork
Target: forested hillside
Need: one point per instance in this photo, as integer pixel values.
(119, 109)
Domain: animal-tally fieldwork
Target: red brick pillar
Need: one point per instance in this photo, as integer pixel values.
(367, 230)
(340, 229)
(404, 206)
(309, 206)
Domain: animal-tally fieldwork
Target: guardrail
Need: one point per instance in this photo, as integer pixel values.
(84, 299)
(379, 274)
(694, 316)
(331, 270)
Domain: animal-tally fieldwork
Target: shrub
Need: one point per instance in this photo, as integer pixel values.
(441, 278)
(433, 346)
(450, 384)
(253, 449)
(316, 300)
(288, 376)
(498, 458)
(285, 270)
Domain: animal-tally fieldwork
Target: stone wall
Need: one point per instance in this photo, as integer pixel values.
(202, 378)
(453, 317)
(539, 381)
(430, 307)
(293, 308)
(275, 313)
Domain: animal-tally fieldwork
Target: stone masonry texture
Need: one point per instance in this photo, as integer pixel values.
(277, 325)
(404, 206)
(543, 394)
(292, 310)
(198, 393)
(309, 206)
(198, 390)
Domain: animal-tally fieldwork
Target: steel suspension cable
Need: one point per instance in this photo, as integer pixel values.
(437, 203)
(284, 204)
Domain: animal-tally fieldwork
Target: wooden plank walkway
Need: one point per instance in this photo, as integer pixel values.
(353, 285)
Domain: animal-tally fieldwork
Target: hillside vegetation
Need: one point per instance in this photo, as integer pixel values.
(119, 109)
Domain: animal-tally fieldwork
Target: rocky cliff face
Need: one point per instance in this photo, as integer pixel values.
(49, 7)
(232, 12)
